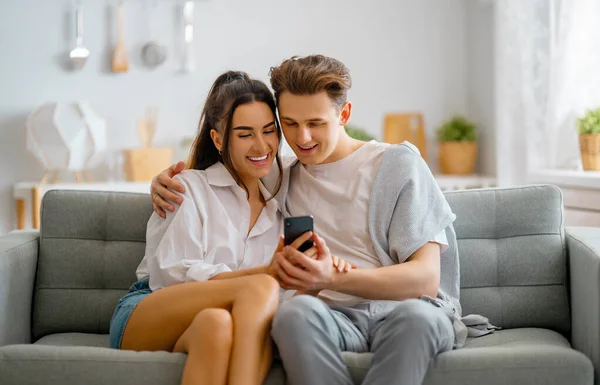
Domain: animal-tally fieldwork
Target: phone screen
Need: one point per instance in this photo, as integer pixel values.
(293, 227)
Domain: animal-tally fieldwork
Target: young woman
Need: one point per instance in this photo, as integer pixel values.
(206, 285)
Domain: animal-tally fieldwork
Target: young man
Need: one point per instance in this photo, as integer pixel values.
(379, 208)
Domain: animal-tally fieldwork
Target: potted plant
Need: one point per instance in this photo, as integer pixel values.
(357, 133)
(458, 146)
(588, 127)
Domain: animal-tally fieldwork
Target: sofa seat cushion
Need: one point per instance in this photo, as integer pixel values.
(75, 339)
(515, 356)
(80, 358)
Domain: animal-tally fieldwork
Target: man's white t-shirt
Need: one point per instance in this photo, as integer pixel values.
(337, 196)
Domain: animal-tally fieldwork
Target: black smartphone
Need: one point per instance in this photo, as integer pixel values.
(293, 227)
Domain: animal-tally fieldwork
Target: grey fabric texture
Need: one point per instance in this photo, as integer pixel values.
(584, 263)
(517, 356)
(90, 246)
(18, 259)
(86, 359)
(406, 210)
(513, 256)
(404, 337)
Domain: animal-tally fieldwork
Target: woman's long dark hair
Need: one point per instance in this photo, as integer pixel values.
(228, 92)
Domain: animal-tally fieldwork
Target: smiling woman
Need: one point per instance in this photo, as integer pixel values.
(254, 140)
(238, 122)
(208, 265)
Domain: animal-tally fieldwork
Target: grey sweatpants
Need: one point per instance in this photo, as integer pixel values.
(404, 337)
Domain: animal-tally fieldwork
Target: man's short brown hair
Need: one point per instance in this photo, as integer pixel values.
(310, 75)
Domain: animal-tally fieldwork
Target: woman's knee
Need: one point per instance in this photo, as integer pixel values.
(211, 327)
(262, 288)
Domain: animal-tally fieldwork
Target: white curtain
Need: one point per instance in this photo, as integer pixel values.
(547, 74)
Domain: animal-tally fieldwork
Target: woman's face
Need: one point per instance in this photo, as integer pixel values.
(253, 140)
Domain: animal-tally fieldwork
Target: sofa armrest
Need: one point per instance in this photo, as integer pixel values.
(18, 261)
(584, 263)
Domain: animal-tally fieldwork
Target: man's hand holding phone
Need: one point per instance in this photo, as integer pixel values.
(301, 271)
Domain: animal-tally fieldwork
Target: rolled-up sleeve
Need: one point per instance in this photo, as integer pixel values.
(442, 240)
(175, 246)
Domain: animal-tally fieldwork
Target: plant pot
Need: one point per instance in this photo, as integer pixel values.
(589, 146)
(458, 158)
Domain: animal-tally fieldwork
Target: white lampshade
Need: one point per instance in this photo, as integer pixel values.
(66, 136)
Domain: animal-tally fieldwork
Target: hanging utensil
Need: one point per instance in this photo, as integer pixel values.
(153, 53)
(120, 62)
(189, 64)
(79, 54)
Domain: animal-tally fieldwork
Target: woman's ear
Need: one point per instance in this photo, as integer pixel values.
(217, 139)
(345, 113)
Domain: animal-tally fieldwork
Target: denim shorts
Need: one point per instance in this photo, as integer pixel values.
(126, 305)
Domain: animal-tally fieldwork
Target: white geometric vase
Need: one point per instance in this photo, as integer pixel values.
(66, 136)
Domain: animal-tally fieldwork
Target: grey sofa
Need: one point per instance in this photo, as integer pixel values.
(518, 267)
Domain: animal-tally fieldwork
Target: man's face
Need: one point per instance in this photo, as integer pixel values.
(312, 126)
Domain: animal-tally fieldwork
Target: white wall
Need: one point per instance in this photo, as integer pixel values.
(404, 55)
(480, 80)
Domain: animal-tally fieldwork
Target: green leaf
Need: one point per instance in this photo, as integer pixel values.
(457, 129)
(589, 123)
(357, 133)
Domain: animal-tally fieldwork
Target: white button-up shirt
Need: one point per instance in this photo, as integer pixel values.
(208, 233)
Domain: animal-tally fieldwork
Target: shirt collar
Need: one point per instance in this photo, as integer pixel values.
(272, 205)
(218, 175)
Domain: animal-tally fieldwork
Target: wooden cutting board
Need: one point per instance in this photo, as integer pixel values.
(141, 165)
(407, 126)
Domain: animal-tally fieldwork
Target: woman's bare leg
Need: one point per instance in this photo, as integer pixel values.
(251, 339)
(266, 359)
(161, 319)
(207, 342)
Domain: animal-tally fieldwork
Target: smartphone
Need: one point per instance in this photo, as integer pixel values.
(293, 227)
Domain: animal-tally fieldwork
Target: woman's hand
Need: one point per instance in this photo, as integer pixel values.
(272, 266)
(160, 189)
(342, 265)
(312, 252)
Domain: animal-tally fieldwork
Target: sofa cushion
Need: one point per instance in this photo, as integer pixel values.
(86, 359)
(90, 246)
(516, 356)
(513, 266)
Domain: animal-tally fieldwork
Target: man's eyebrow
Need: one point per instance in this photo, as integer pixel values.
(308, 120)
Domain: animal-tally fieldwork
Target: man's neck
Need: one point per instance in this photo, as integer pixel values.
(345, 146)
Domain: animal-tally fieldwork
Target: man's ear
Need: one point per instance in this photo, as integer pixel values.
(345, 113)
(217, 139)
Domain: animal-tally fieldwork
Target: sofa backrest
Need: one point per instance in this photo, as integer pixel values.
(90, 246)
(513, 256)
(511, 243)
